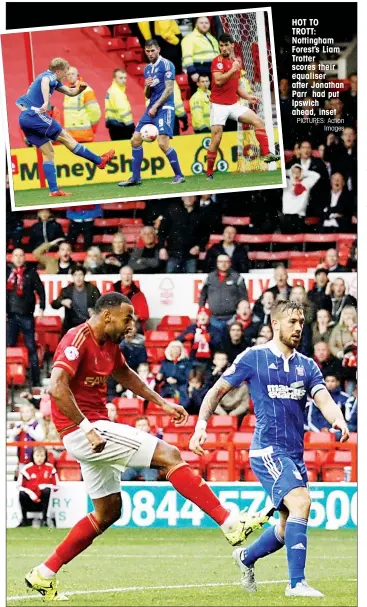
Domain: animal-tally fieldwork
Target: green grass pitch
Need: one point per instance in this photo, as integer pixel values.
(178, 567)
(149, 187)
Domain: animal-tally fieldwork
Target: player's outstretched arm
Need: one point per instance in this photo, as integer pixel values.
(60, 391)
(208, 406)
(332, 413)
(72, 92)
(131, 380)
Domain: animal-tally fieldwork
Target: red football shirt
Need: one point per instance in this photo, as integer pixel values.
(90, 364)
(226, 94)
(32, 476)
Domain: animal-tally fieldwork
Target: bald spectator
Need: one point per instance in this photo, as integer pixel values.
(228, 246)
(145, 259)
(22, 284)
(244, 317)
(94, 261)
(46, 229)
(281, 290)
(62, 264)
(327, 363)
(198, 51)
(337, 212)
(339, 298)
(222, 291)
(331, 262)
(127, 287)
(119, 256)
(81, 113)
(318, 294)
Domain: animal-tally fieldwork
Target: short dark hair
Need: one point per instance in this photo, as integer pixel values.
(111, 300)
(283, 306)
(235, 323)
(197, 373)
(226, 38)
(78, 267)
(332, 374)
(151, 42)
(204, 76)
(321, 271)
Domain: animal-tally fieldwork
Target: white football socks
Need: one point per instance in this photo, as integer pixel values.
(45, 572)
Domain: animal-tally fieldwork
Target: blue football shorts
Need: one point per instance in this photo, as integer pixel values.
(164, 120)
(39, 128)
(278, 474)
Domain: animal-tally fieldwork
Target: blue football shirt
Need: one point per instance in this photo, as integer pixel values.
(161, 71)
(33, 97)
(279, 388)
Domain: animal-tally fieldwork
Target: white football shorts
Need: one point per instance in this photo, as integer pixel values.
(126, 447)
(219, 114)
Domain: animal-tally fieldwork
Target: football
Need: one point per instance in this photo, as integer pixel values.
(149, 133)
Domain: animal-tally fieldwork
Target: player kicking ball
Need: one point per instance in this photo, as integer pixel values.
(84, 359)
(40, 129)
(159, 82)
(226, 88)
(279, 379)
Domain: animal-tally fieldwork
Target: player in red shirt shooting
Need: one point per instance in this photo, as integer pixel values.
(226, 88)
(85, 358)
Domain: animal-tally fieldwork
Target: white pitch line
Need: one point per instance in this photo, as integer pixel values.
(174, 556)
(142, 588)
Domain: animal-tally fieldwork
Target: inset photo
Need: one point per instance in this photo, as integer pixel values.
(137, 110)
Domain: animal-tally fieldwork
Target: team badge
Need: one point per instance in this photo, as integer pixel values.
(300, 370)
(71, 353)
(168, 74)
(220, 65)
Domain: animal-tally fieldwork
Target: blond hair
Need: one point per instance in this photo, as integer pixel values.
(177, 343)
(58, 64)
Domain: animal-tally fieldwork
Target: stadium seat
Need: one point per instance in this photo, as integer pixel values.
(158, 338)
(333, 466)
(174, 323)
(117, 222)
(123, 29)
(184, 85)
(155, 355)
(129, 406)
(236, 221)
(172, 438)
(223, 423)
(248, 422)
(287, 238)
(192, 459)
(312, 461)
(48, 331)
(68, 468)
(250, 476)
(187, 428)
(132, 42)
(217, 468)
(113, 44)
(268, 256)
(242, 440)
(136, 70)
(18, 354)
(138, 205)
(99, 30)
(319, 440)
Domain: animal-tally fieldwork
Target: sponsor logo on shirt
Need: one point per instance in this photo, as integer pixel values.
(96, 381)
(71, 353)
(279, 391)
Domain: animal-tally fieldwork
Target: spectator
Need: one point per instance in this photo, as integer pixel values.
(146, 474)
(223, 290)
(322, 327)
(112, 412)
(200, 105)
(262, 308)
(168, 35)
(316, 420)
(145, 259)
(202, 337)
(342, 157)
(350, 361)
(36, 479)
(328, 364)
(266, 333)
(349, 97)
(331, 262)
(309, 163)
(94, 262)
(351, 411)
(281, 290)
(146, 375)
(82, 112)
(340, 116)
(198, 51)
(341, 334)
(195, 391)
(337, 212)
(244, 317)
(234, 342)
(46, 229)
(228, 246)
(317, 295)
(128, 287)
(119, 119)
(14, 221)
(174, 371)
(211, 210)
(22, 282)
(235, 403)
(26, 430)
(352, 259)
(179, 236)
(220, 364)
(181, 118)
(119, 255)
(299, 295)
(295, 198)
(82, 222)
(340, 299)
(78, 300)
(62, 264)
(133, 349)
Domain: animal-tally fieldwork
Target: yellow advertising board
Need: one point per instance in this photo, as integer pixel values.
(74, 170)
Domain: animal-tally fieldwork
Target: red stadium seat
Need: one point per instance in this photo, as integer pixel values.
(174, 323)
(187, 428)
(47, 331)
(319, 440)
(122, 29)
(18, 354)
(287, 238)
(242, 440)
(333, 466)
(248, 422)
(236, 221)
(255, 238)
(268, 256)
(15, 374)
(217, 469)
(68, 468)
(183, 83)
(116, 222)
(158, 338)
(136, 70)
(113, 44)
(138, 205)
(155, 355)
(250, 476)
(99, 30)
(223, 423)
(172, 438)
(130, 406)
(320, 238)
(192, 459)
(132, 42)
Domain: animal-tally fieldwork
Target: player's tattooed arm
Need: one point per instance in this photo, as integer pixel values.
(213, 398)
(168, 91)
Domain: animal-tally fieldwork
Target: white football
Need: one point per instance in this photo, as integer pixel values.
(149, 133)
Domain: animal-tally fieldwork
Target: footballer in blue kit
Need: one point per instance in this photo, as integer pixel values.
(40, 129)
(279, 380)
(159, 82)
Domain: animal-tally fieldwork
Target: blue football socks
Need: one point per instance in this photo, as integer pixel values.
(269, 541)
(81, 150)
(173, 160)
(50, 173)
(296, 544)
(137, 161)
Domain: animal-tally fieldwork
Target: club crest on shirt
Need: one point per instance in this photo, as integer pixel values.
(300, 370)
(220, 65)
(71, 353)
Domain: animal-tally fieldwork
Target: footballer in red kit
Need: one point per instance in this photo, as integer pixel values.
(226, 88)
(85, 358)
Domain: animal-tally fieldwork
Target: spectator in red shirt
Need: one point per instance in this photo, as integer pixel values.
(27, 429)
(127, 287)
(36, 479)
(203, 338)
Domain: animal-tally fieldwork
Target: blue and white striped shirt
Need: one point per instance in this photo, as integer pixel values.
(279, 388)
(160, 71)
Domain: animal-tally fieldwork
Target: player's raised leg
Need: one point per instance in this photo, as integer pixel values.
(249, 117)
(216, 138)
(80, 150)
